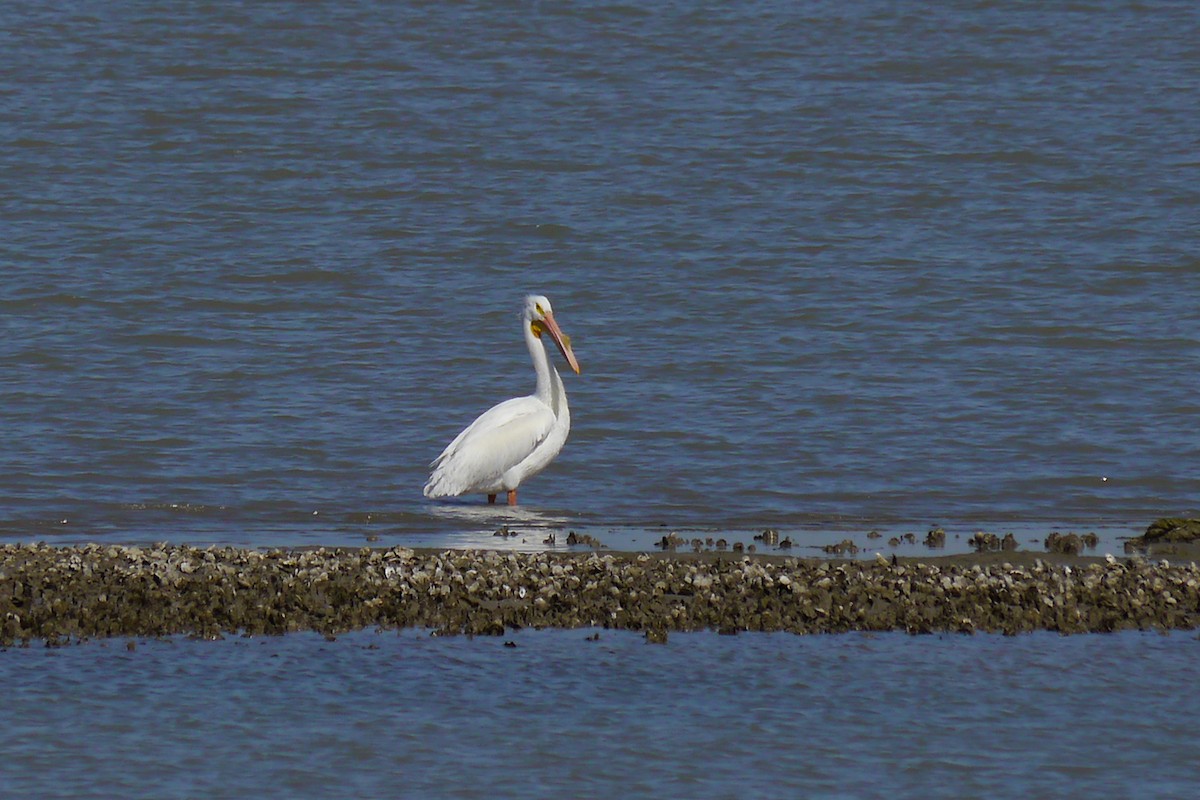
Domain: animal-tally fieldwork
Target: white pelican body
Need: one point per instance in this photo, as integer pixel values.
(516, 439)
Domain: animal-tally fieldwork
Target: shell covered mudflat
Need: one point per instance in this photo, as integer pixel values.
(61, 594)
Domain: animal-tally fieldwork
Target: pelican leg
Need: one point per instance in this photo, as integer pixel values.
(491, 499)
(512, 497)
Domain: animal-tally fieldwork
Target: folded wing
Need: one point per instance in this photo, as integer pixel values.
(502, 437)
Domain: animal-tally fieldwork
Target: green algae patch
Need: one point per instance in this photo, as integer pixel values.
(1172, 529)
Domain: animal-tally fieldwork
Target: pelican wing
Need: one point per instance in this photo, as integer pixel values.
(502, 437)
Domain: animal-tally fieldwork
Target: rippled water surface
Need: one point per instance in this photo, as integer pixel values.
(824, 264)
(828, 267)
(386, 715)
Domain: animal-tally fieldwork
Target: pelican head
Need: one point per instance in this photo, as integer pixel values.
(540, 318)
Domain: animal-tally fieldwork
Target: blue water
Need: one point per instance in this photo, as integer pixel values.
(386, 715)
(823, 265)
(828, 267)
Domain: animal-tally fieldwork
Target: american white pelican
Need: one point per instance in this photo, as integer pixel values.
(516, 439)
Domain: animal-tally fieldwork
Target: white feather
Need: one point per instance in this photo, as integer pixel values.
(516, 439)
(479, 458)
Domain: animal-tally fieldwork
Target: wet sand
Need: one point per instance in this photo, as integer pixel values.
(63, 594)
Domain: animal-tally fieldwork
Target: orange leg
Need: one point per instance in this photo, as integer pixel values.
(512, 497)
(491, 499)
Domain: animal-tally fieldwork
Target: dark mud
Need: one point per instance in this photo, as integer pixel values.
(59, 595)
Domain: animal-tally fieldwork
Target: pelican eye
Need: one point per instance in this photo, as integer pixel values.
(539, 309)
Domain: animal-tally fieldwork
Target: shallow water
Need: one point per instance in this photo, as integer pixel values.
(381, 714)
(825, 267)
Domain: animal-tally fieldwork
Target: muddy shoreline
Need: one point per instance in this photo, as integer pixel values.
(65, 594)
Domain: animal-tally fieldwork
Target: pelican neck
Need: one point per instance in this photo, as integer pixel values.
(541, 365)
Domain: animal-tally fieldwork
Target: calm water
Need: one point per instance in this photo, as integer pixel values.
(381, 715)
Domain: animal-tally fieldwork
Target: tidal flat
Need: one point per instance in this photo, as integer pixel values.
(65, 594)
